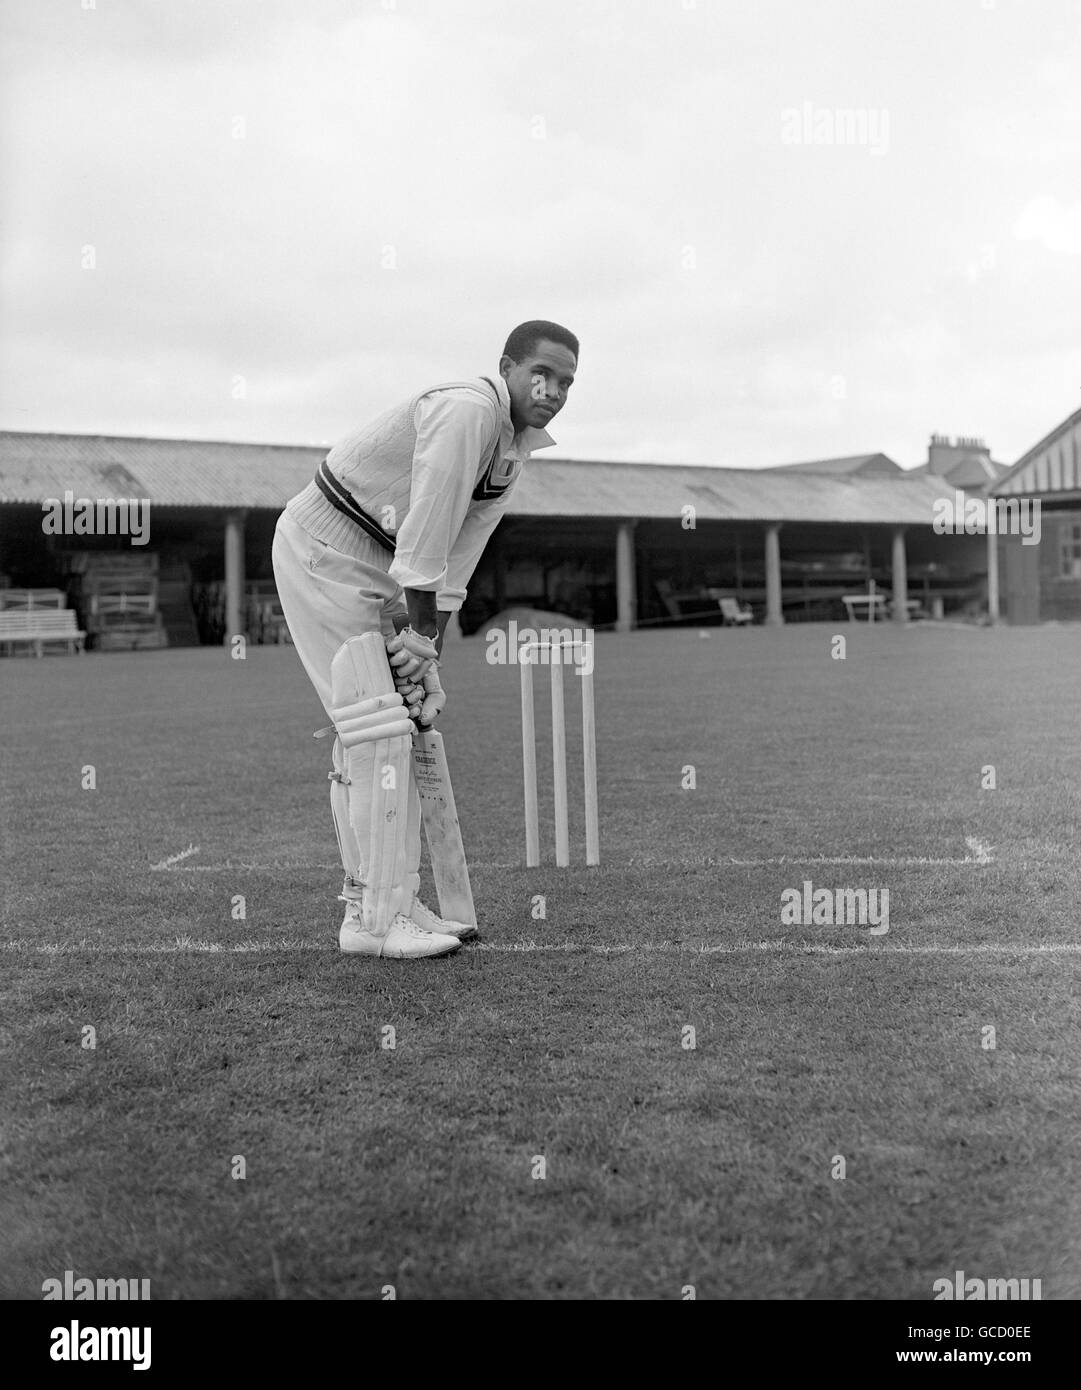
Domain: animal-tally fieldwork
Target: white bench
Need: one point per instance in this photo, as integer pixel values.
(732, 615)
(883, 607)
(871, 605)
(39, 626)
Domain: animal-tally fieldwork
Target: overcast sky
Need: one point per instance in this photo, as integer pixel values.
(268, 221)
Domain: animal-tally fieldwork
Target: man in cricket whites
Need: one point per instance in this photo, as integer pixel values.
(371, 559)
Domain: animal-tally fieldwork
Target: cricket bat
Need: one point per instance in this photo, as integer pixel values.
(441, 828)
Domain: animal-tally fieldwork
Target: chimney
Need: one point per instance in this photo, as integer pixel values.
(944, 454)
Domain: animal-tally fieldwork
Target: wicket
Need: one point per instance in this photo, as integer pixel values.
(559, 755)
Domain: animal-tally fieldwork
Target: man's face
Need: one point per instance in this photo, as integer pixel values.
(538, 385)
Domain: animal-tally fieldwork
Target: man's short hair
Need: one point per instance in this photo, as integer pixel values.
(524, 339)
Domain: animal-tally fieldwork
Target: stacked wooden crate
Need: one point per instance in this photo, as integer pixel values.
(174, 602)
(116, 592)
(31, 599)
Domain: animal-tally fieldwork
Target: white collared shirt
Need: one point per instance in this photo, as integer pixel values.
(459, 489)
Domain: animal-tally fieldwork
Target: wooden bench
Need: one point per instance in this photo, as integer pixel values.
(883, 607)
(872, 605)
(674, 599)
(38, 627)
(732, 614)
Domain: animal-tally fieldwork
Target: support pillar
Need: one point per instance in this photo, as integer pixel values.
(234, 576)
(774, 611)
(899, 571)
(626, 581)
(992, 574)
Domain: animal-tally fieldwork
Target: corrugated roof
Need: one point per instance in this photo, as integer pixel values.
(719, 494)
(855, 464)
(170, 472)
(194, 473)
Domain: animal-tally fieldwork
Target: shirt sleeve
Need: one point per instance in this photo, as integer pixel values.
(468, 548)
(454, 436)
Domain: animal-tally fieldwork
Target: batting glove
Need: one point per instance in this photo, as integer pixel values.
(434, 699)
(410, 655)
(412, 695)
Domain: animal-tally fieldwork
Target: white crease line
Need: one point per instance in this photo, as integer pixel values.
(180, 946)
(788, 947)
(187, 946)
(983, 857)
(176, 858)
(247, 868)
(902, 863)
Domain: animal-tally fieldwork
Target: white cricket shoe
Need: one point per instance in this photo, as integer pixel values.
(425, 918)
(404, 940)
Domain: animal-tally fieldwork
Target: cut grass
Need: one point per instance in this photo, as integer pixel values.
(665, 1165)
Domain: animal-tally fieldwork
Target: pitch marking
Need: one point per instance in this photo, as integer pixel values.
(188, 946)
(981, 855)
(903, 863)
(176, 858)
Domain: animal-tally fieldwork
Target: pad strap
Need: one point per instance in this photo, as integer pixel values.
(366, 721)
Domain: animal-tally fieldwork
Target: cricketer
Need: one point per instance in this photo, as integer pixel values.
(371, 559)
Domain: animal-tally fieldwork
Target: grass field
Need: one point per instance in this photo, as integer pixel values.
(558, 1038)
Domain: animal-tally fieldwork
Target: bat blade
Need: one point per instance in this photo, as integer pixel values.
(441, 828)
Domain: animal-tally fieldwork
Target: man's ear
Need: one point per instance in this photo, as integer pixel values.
(506, 366)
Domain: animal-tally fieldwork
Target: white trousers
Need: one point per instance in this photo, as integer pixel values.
(328, 597)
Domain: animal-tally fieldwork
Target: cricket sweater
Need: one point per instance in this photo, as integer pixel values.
(435, 474)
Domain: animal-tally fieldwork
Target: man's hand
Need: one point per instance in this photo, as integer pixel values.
(434, 700)
(401, 619)
(412, 695)
(411, 655)
(421, 606)
(424, 703)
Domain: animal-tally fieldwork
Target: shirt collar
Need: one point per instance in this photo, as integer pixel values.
(530, 439)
